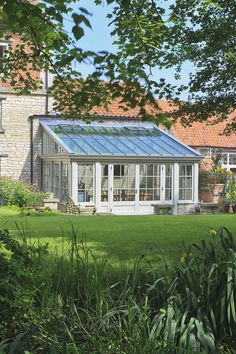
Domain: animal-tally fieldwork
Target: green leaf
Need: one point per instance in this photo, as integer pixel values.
(78, 32)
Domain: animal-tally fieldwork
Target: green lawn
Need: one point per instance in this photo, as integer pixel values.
(120, 238)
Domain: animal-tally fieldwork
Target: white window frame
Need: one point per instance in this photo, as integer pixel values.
(227, 165)
(5, 45)
(205, 148)
(180, 176)
(92, 164)
(123, 202)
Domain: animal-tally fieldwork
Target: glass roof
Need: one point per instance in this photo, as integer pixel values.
(116, 139)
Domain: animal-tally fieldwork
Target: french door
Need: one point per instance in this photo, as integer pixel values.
(131, 183)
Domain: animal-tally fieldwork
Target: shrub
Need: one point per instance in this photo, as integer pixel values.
(34, 212)
(20, 194)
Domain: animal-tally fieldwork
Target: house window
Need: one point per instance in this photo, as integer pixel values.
(185, 182)
(232, 159)
(206, 152)
(85, 183)
(149, 182)
(2, 50)
(124, 183)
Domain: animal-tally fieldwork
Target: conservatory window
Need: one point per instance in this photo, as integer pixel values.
(85, 183)
(149, 182)
(168, 181)
(124, 182)
(104, 183)
(64, 180)
(47, 177)
(56, 179)
(185, 182)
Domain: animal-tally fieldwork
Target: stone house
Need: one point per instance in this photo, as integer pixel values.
(15, 131)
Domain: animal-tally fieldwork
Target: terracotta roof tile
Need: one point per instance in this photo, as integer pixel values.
(206, 134)
(199, 134)
(117, 109)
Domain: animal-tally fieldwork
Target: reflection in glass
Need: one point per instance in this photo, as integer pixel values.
(124, 182)
(149, 182)
(185, 182)
(85, 183)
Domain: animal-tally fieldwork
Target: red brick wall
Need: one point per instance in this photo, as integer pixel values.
(206, 164)
(15, 40)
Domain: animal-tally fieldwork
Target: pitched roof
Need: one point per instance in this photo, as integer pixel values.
(117, 109)
(198, 134)
(116, 139)
(206, 134)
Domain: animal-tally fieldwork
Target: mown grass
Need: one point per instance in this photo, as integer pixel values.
(120, 238)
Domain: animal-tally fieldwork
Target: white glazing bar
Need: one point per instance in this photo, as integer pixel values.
(110, 187)
(70, 179)
(163, 183)
(97, 179)
(60, 180)
(176, 187)
(74, 181)
(136, 187)
(195, 182)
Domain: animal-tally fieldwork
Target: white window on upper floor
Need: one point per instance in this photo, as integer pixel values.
(204, 151)
(3, 48)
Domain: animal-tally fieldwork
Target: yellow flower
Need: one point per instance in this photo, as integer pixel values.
(185, 257)
(212, 233)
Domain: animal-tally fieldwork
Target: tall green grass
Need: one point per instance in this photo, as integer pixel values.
(83, 304)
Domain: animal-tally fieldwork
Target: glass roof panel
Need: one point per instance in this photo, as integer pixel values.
(72, 145)
(177, 148)
(117, 139)
(144, 145)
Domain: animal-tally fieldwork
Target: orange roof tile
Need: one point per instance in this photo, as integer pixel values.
(118, 109)
(198, 134)
(206, 134)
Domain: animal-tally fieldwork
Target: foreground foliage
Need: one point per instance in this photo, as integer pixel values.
(19, 193)
(77, 303)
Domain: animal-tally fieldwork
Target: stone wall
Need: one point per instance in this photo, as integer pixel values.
(184, 209)
(15, 135)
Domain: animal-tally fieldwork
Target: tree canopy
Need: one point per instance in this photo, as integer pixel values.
(148, 34)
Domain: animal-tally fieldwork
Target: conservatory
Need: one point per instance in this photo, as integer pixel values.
(119, 167)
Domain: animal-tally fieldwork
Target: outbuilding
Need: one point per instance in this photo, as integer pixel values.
(119, 167)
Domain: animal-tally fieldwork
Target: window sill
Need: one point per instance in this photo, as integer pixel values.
(2, 131)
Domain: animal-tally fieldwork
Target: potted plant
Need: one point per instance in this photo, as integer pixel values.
(226, 205)
(231, 194)
(234, 206)
(197, 208)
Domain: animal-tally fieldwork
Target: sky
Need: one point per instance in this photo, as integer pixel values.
(99, 39)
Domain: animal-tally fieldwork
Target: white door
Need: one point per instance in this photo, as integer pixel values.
(107, 186)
